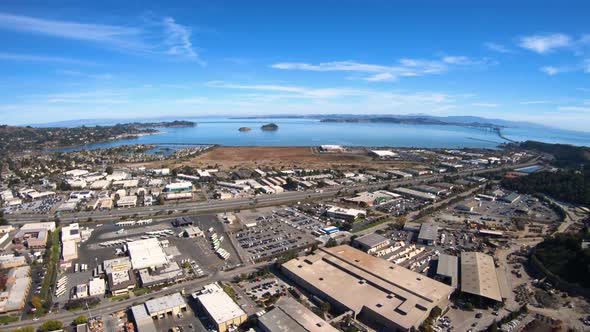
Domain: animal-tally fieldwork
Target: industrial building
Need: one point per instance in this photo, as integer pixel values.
(169, 305)
(127, 201)
(428, 233)
(70, 232)
(371, 242)
(510, 198)
(121, 279)
(178, 187)
(371, 199)
(345, 214)
(383, 154)
(447, 270)
(147, 253)
(289, 315)
(220, 307)
(415, 194)
(194, 231)
(380, 294)
(468, 206)
(478, 276)
(69, 251)
(143, 321)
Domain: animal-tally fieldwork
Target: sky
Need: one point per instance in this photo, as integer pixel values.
(514, 60)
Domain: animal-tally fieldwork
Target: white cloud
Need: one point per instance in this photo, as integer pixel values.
(545, 43)
(404, 68)
(497, 47)
(550, 70)
(168, 38)
(381, 77)
(534, 102)
(574, 108)
(484, 105)
(41, 58)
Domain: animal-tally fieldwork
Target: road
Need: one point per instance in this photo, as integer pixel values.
(236, 204)
(106, 307)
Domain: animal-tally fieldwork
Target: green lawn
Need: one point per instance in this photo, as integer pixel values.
(8, 319)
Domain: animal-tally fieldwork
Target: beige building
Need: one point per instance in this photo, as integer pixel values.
(381, 294)
(220, 308)
(478, 276)
(169, 305)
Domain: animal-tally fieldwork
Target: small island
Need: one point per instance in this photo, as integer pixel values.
(269, 127)
(244, 129)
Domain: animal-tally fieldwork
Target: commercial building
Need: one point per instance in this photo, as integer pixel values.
(415, 194)
(18, 283)
(380, 294)
(146, 253)
(430, 190)
(127, 201)
(154, 277)
(178, 187)
(96, 287)
(478, 276)
(70, 232)
(510, 198)
(428, 233)
(169, 305)
(371, 242)
(346, 214)
(371, 199)
(219, 307)
(34, 235)
(121, 282)
(289, 315)
(10, 260)
(447, 270)
(69, 251)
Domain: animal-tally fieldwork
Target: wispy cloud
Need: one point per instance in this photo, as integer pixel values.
(379, 73)
(534, 102)
(497, 47)
(545, 43)
(76, 73)
(301, 91)
(41, 58)
(168, 38)
(485, 105)
(574, 108)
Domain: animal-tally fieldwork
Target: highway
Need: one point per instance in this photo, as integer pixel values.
(237, 204)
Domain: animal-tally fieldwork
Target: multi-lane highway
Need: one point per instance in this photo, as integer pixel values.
(171, 210)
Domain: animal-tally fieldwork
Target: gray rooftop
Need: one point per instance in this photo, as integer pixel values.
(165, 303)
(428, 231)
(448, 266)
(291, 316)
(371, 240)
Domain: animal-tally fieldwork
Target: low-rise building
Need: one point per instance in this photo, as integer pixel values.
(127, 201)
(96, 287)
(428, 233)
(289, 315)
(370, 243)
(343, 213)
(169, 305)
(220, 307)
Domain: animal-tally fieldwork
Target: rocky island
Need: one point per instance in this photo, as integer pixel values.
(244, 129)
(270, 127)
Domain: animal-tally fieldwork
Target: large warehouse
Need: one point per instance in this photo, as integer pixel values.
(478, 276)
(381, 294)
(146, 253)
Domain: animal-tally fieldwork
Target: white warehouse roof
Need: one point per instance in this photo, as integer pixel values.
(146, 253)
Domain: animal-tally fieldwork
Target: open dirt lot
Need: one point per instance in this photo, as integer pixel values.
(280, 157)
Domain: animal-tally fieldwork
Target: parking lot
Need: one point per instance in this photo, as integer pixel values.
(270, 233)
(186, 321)
(41, 206)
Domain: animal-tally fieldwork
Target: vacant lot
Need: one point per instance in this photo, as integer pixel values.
(280, 157)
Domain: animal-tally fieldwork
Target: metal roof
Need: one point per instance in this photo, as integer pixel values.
(478, 275)
(428, 231)
(448, 266)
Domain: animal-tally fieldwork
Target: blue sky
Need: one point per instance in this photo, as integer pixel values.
(64, 60)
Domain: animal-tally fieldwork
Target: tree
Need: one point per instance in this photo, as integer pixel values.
(36, 302)
(80, 320)
(51, 325)
(331, 243)
(109, 170)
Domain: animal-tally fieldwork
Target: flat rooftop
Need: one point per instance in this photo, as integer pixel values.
(291, 316)
(220, 306)
(371, 240)
(478, 276)
(146, 253)
(361, 282)
(428, 231)
(165, 303)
